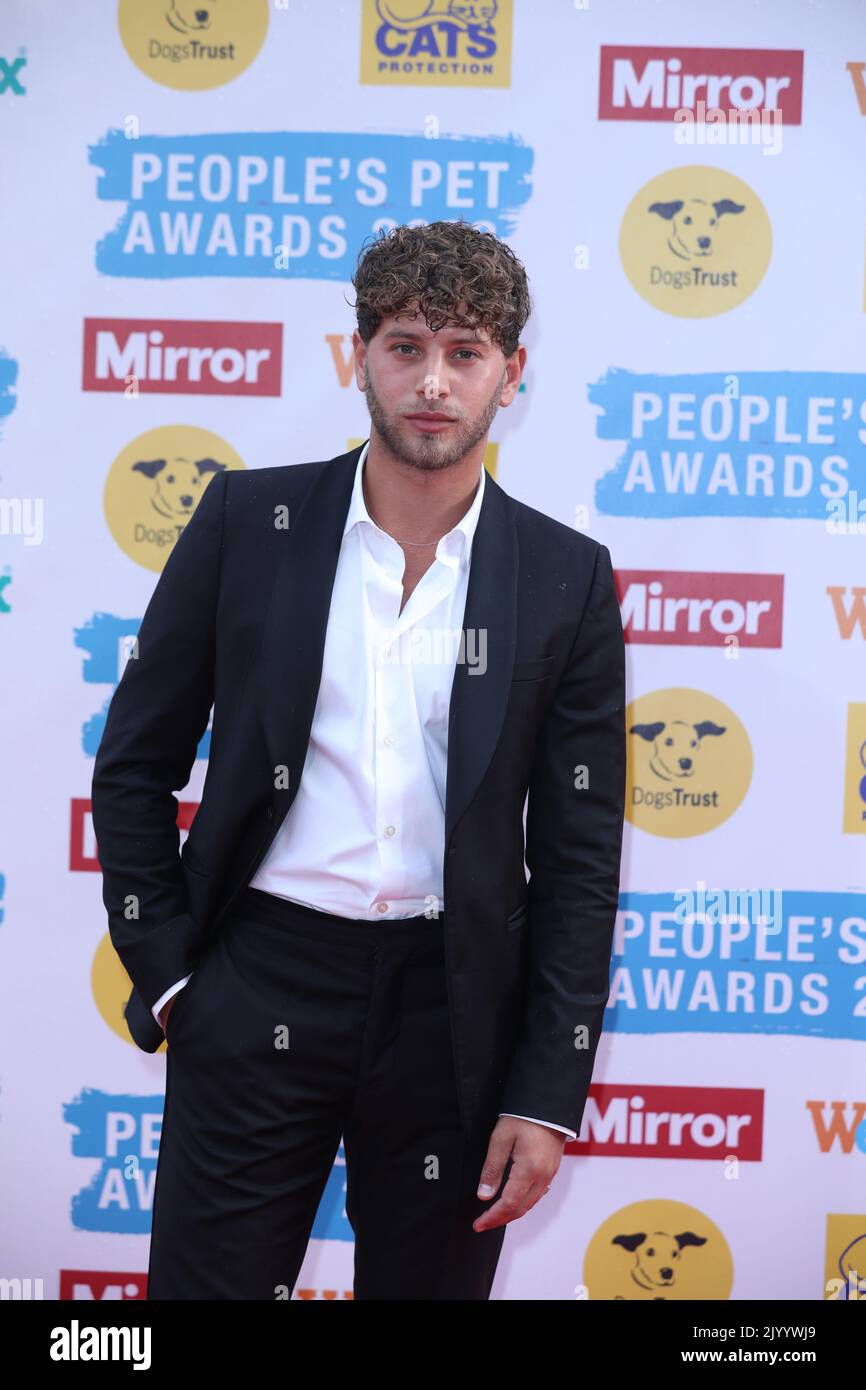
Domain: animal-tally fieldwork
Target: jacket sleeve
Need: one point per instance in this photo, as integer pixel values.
(573, 848)
(155, 720)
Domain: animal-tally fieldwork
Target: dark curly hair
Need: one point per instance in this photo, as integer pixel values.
(434, 269)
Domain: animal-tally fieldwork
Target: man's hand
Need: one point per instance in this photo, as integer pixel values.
(165, 1011)
(536, 1153)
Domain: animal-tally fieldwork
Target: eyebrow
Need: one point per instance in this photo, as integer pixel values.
(421, 337)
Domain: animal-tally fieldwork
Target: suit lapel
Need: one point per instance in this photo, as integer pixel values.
(295, 626)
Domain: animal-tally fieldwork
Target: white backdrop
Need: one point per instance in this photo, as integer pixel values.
(551, 141)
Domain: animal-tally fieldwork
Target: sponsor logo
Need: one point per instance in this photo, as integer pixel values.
(839, 1124)
(653, 84)
(12, 75)
(671, 1122)
(851, 615)
(854, 821)
(692, 609)
(436, 43)
(155, 485)
(192, 45)
(96, 1285)
(179, 357)
(689, 765)
(845, 1259)
(658, 1250)
(695, 241)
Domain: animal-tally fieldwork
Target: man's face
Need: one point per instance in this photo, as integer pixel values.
(456, 375)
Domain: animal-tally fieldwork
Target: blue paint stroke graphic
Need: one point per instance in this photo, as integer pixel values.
(122, 1131)
(223, 204)
(8, 381)
(804, 433)
(809, 979)
(101, 638)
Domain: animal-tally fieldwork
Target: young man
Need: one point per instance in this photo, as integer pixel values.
(396, 653)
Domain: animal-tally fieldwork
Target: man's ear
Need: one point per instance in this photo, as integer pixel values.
(359, 351)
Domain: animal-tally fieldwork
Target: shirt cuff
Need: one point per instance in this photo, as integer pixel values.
(164, 998)
(570, 1132)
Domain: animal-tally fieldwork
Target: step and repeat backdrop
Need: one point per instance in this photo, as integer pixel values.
(186, 191)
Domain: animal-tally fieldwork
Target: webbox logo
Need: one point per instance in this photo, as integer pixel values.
(650, 84)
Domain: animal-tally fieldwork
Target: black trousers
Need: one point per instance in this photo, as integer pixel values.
(297, 1029)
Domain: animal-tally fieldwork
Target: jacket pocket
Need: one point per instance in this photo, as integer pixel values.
(536, 669)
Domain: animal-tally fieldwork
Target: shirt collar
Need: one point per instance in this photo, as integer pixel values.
(454, 545)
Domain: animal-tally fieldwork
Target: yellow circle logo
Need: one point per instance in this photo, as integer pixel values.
(111, 988)
(192, 47)
(689, 763)
(155, 485)
(695, 241)
(658, 1250)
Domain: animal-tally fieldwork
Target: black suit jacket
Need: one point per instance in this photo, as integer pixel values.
(237, 622)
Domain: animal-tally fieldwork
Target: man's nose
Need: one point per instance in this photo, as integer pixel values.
(434, 382)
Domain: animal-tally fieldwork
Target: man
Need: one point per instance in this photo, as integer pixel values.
(396, 653)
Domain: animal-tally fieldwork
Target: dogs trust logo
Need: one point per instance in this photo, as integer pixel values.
(192, 47)
(436, 43)
(695, 241)
(155, 485)
(689, 763)
(658, 1250)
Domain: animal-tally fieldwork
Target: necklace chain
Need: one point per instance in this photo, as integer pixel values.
(394, 538)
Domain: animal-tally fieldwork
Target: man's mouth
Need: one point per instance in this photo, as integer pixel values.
(429, 423)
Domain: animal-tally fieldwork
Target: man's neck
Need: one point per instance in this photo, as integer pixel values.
(415, 504)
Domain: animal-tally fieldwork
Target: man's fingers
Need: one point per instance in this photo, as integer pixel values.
(520, 1193)
(498, 1154)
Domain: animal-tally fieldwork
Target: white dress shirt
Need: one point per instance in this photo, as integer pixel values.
(365, 834)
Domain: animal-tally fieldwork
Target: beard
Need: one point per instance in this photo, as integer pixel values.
(429, 452)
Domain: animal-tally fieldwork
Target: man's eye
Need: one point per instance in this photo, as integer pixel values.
(400, 346)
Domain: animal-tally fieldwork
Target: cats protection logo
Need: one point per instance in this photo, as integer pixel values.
(436, 43)
(689, 763)
(658, 1250)
(155, 484)
(192, 47)
(695, 241)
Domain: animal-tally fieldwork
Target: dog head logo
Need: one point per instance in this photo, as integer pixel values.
(177, 483)
(695, 241)
(658, 1250)
(155, 485)
(690, 762)
(192, 47)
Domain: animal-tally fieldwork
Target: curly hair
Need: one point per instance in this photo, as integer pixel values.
(436, 268)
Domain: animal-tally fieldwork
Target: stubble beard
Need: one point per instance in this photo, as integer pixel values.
(429, 452)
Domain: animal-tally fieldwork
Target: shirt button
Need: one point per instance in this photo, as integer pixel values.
(390, 829)
(389, 739)
(381, 907)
